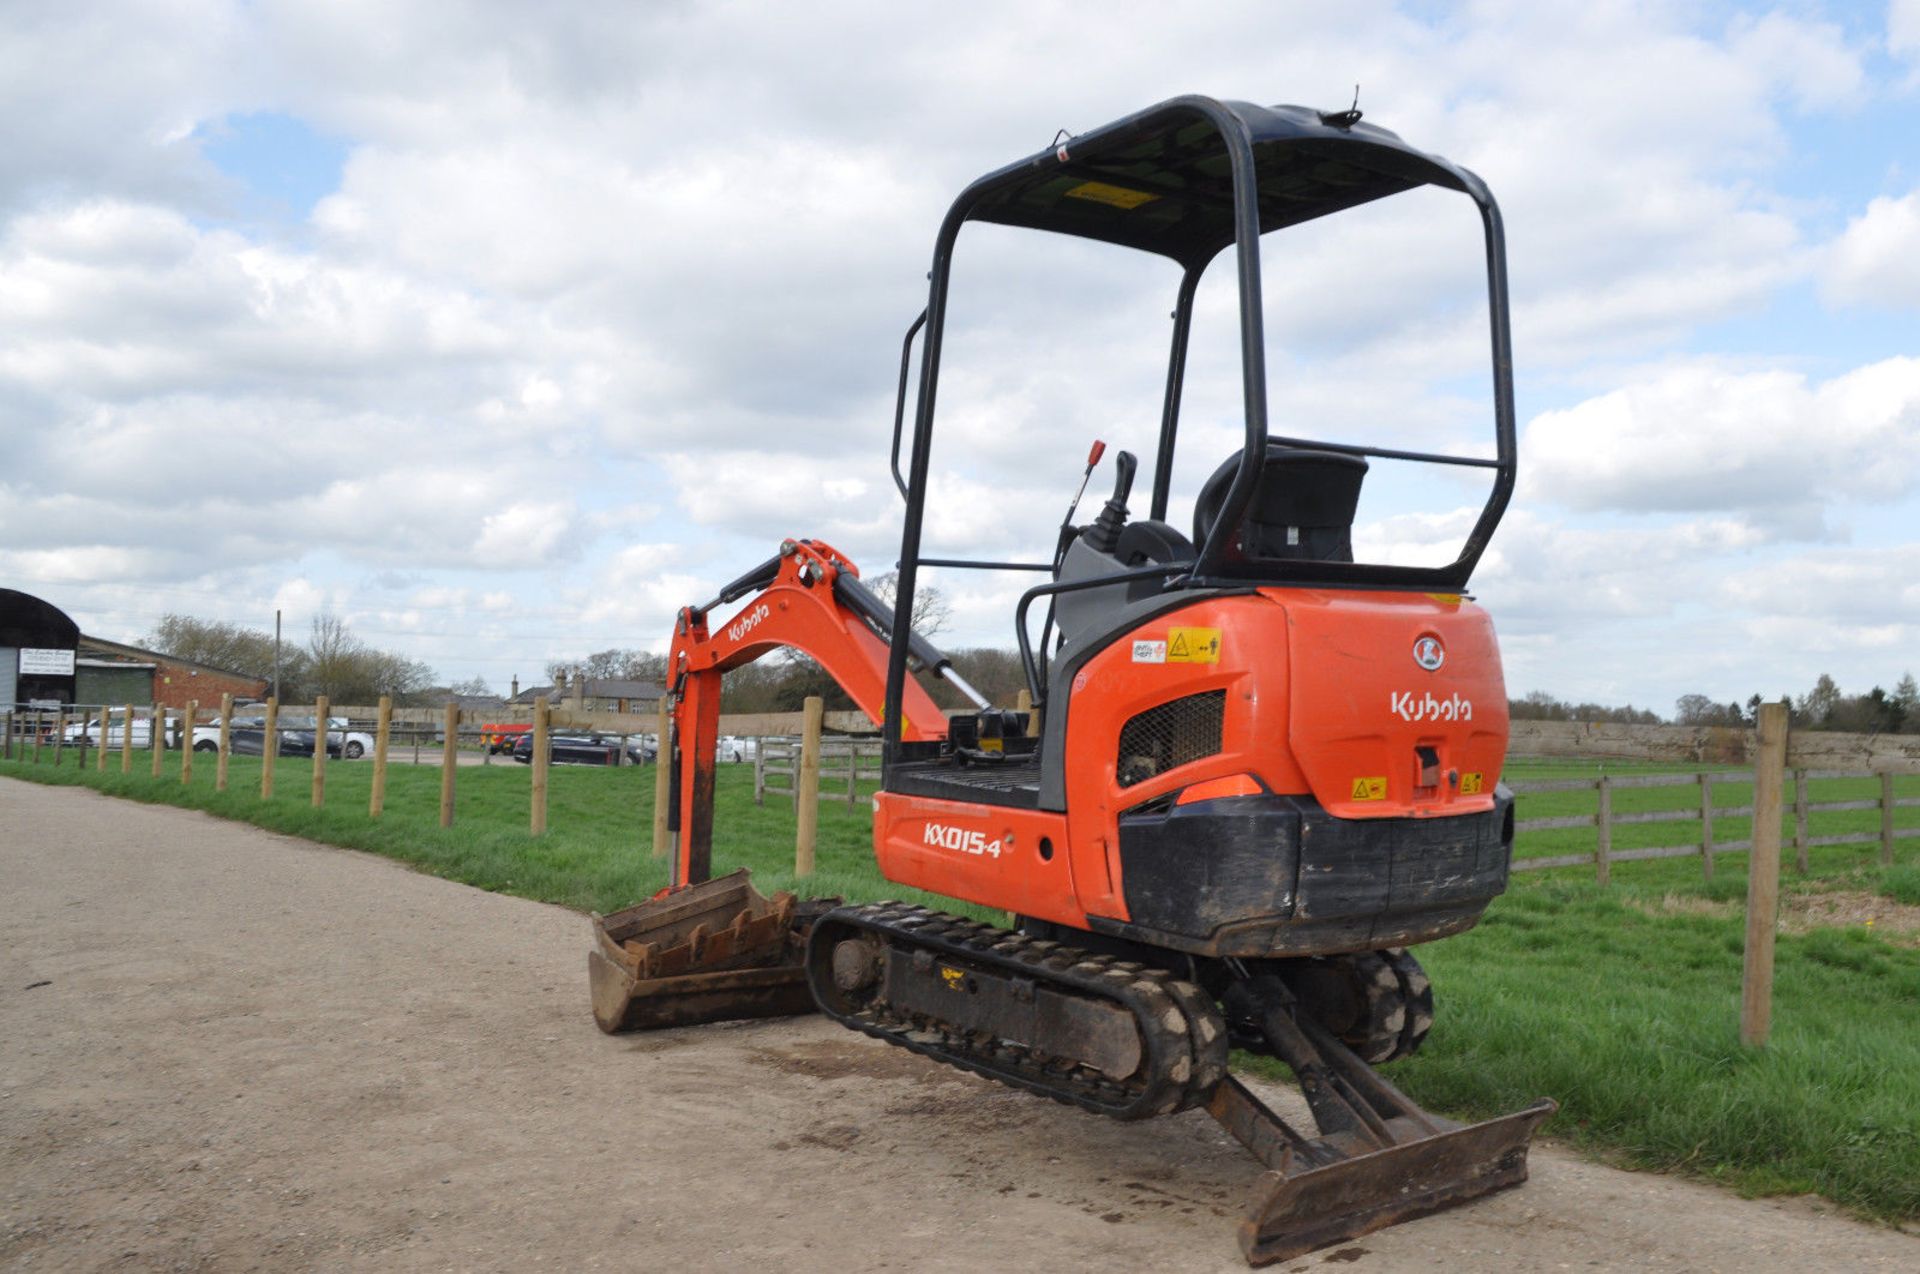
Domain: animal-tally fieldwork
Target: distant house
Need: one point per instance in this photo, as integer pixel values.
(595, 694)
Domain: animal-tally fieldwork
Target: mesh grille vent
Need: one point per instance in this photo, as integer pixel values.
(1172, 734)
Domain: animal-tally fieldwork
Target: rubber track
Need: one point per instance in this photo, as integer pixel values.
(1184, 1038)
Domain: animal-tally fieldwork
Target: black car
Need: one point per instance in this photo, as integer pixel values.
(249, 736)
(582, 749)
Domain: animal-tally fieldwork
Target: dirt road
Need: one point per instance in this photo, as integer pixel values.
(230, 1050)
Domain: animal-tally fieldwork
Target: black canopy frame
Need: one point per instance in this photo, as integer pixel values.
(1188, 179)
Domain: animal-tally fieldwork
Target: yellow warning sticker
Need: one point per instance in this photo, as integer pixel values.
(1472, 782)
(1113, 196)
(1193, 645)
(954, 978)
(1370, 789)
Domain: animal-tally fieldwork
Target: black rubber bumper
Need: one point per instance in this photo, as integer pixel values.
(1278, 875)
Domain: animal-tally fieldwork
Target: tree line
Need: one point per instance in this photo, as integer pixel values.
(782, 682)
(1824, 707)
(332, 661)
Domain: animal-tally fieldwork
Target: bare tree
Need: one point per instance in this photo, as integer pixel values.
(615, 663)
(931, 611)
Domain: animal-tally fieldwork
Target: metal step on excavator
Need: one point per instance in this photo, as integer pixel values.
(1260, 770)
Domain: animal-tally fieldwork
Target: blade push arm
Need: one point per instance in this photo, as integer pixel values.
(808, 598)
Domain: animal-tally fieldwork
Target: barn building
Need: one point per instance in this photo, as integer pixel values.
(46, 659)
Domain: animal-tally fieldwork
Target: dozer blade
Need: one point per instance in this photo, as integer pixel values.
(709, 952)
(1304, 1206)
(1379, 1158)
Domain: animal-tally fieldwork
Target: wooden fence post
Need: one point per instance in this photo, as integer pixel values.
(542, 722)
(449, 762)
(1706, 826)
(1763, 876)
(226, 744)
(106, 729)
(320, 708)
(126, 741)
(1886, 819)
(1023, 702)
(662, 781)
(39, 729)
(59, 734)
(760, 771)
(1800, 821)
(269, 747)
(1603, 847)
(807, 785)
(186, 740)
(382, 737)
(159, 736)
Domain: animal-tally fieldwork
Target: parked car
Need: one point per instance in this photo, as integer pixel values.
(115, 732)
(344, 740)
(733, 748)
(249, 736)
(296, 736)
(583, 749)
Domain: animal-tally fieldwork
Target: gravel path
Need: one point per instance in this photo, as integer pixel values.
(230, 1050)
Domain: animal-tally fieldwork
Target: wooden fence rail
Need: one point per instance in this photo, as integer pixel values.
(447, 730)
(843, 761)
(1605, 819)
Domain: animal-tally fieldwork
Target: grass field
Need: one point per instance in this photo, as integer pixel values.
(1621, 1003)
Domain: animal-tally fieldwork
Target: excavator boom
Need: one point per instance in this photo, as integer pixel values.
(808, 598)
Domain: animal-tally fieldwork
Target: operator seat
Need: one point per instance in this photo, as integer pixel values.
(1302, 507)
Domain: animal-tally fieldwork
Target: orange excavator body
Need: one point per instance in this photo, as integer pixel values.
(1352, 742)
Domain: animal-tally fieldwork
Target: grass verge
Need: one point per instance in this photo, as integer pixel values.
(1615, 1002)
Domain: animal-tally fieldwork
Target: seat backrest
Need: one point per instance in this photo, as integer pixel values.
(1303, 507)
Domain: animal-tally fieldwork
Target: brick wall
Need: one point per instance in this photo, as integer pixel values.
(175, 685)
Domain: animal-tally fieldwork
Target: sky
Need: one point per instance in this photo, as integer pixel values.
(502, 331)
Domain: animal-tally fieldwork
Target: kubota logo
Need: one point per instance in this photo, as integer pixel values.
(1428, 708)
(747, 623)
(1429, 653)
(961, 840)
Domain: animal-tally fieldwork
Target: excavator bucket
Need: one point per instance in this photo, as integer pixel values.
(708, 952)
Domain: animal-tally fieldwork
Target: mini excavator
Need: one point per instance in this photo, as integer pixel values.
(1255, 773)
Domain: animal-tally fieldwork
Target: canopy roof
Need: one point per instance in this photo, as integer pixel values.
(1161, 180)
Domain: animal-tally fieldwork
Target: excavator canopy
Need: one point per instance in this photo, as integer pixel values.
(1162, 180)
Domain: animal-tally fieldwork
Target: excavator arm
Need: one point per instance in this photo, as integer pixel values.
(704, 950)
(808, 597)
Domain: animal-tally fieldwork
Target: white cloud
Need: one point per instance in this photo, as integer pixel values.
(1903, 28)
(1876, 260)
(1809, 61)
(1782, 454)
